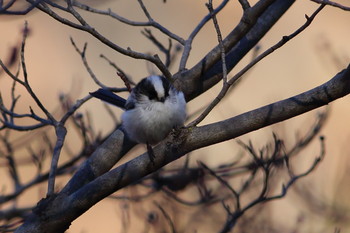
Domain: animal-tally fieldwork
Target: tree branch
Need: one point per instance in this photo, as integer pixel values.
(206, 73)
(150, 23)
(334, 4)
(80, 194)
(6, 9)
(236, 77)
(194, 33)
(84, 26)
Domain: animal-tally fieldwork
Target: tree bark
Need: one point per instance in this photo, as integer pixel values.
(55, 213)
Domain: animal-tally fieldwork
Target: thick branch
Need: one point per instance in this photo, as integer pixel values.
(237, 76)
(255, 23)
(57, 213)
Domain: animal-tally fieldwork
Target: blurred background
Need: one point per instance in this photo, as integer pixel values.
(318, 203)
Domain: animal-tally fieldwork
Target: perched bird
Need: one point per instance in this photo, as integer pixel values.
(153, 108)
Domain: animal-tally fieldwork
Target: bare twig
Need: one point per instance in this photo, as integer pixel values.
(84, 26)
(136, 198)
(6, 9)
(218, 33)
(120, 73)
(263, 196)
(10, 112)
(149, 23)
(295, 149)
(26, 83)
(294, 178)
(236, 77)
(226, 184)
(189, 40)
(119, 70)
(204, 199)
(82, 54)
(144, 9)
(167, 217)
(125, 80)
(331, 3)
(61, 132)
(58, 125)
(167, 51)
(12, 165)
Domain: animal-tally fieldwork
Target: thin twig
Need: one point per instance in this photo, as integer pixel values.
(82, 54)
(334, 4)
(263, 198)
(43, 177)
(125, 80)
(236, 77)
(84, 26)
(194, 33)
(112, 14)
(5, 10)
(218, 33)
(58, 125)
(294, 178)
(61, 133)
(148, 34)
(226, 184)
(74, 108)
(167, 217)
(144, 9)
(26, 82)
(119, 70)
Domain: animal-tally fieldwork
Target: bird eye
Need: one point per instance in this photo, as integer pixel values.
(152, 95)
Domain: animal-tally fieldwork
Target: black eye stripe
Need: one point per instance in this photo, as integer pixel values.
(152, 94)
(144, 87)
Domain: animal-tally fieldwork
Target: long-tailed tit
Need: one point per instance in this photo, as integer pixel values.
(153, 108)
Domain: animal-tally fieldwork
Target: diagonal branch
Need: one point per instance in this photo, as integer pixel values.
(194, 33)
(206, 73)
(150, 23)
(88, 186)
(237, 76)
(199, 137)
(6, 9)
(84, 26)
(334, 4)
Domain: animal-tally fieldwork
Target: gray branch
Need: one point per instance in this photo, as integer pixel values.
(93, 181)
(255, 23)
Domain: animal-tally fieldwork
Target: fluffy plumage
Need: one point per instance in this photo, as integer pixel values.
(152, 110)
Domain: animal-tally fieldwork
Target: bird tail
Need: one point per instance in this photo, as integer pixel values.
(109, 97)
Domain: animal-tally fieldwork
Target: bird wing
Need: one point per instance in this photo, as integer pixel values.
(109, 97)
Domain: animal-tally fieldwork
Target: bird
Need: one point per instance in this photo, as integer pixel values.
(152, 110)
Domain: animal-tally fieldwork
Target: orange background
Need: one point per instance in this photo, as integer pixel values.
(305, 62)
